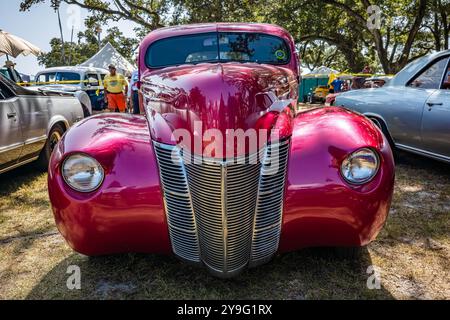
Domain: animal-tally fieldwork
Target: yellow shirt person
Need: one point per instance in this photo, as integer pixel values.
(115, 86)
(116, 83)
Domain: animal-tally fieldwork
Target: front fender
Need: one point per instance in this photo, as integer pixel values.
(84, 99)
(321, 209)
(126, 214)
(57, 119)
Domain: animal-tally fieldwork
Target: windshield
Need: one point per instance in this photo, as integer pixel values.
(218, 47)
(4, 73)
(60, 77)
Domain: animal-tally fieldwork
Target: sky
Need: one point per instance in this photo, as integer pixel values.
(40, 25)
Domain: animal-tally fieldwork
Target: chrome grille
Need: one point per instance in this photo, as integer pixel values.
(269, 207)
(226, 214)
(178, 203)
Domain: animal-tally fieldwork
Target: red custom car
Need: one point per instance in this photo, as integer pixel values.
(169, 182)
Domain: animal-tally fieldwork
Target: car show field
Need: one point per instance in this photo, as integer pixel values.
(411, 254)
(220, 158)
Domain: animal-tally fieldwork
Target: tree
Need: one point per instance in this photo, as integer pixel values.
(437, 21)
(146, 13)
(86, 46)
(334, 32)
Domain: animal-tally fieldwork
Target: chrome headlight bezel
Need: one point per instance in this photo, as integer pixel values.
(354, 155)
(72, 184)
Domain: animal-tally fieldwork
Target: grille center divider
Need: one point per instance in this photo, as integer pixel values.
(224, 214)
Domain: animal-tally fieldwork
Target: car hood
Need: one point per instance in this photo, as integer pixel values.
(56, 88)
(355, 99)
(49, 91)
(216, 98)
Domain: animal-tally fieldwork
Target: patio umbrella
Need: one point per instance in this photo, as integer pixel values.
(14, 46)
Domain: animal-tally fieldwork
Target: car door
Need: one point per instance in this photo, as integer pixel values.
(11, 140)
(436, 119)
(411, 104)
(33, 110)
(92, 85)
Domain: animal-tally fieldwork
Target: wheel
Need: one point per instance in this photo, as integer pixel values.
(86, 112)
(54, 137)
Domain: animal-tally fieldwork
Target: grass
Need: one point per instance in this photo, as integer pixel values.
(412, 253)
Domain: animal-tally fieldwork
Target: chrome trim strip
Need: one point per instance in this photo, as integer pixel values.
(35, 140)
(11, 147)
(423, 152)
(224, 217)
(19, 164)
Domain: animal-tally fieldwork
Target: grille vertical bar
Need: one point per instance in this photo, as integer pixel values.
(178, 203)
(269, 207)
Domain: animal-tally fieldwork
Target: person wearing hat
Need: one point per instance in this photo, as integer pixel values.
(13, 74)
(116, 85)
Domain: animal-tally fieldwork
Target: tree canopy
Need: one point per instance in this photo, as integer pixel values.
(343, 34)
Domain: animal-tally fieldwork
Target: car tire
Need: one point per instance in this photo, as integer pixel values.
(53, 138)
(86, 112)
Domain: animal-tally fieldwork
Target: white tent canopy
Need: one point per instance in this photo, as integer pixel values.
(323, 70)
(109, 55)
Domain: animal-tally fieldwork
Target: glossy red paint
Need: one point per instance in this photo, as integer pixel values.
(321, 209)
(219, 97)
(126, 213)
(222, 96)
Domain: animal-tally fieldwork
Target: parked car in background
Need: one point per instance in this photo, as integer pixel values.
(76, 80)
(413, 108)
(318, 94)
(357, 83)
(376, 81)
(11, 74)
(32, 123)
(127, 183)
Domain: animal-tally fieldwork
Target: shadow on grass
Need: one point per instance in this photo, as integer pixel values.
(307, 274)
(13, 180)
(419, 162)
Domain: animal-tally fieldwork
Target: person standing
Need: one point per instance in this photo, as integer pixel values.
(116, 86)
(337, 85)
(13, 74)
(134, 92)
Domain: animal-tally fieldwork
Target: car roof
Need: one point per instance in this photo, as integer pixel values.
(73, 69)
(410, 70)
(172, 31)
(219, 26)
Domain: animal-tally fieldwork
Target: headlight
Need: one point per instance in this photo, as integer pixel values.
(360, 167)
(82, 173)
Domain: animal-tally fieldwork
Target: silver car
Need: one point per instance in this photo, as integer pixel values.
(413, 108)
(84, 82)
(32, 123)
